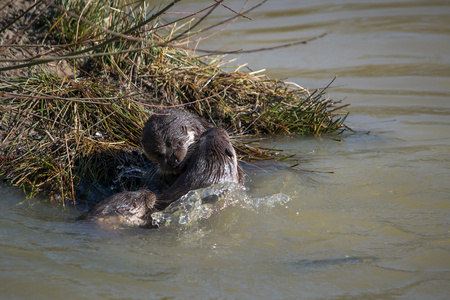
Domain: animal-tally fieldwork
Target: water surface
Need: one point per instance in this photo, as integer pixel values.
(364, 216)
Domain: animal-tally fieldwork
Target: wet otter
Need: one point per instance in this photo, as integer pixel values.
(166, 138)
(211, 159)
(131, 208)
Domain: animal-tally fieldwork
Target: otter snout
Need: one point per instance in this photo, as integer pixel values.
(172, 162)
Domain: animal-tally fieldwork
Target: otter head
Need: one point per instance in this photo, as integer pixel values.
(165, 141)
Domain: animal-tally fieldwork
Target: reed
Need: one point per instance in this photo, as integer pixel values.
(64, 135)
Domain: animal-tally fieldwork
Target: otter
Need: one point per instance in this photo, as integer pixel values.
(210, 160)
(130, 208)
(166, 138)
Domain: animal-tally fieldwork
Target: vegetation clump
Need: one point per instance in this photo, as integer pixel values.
(73, 108)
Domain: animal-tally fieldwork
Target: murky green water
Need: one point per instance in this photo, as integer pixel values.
(366, 217)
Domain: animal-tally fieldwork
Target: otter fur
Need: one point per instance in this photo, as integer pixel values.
(210, 160)
(166, 138)
(130, 208)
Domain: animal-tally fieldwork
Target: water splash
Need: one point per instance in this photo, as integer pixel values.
(203, 203)
(269, 201)
(199, 204)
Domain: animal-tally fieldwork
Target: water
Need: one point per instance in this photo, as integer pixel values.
(364, 216)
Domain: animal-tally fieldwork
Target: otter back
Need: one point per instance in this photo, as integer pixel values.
(129, 208)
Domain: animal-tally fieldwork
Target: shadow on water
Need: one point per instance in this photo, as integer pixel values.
(320, 263)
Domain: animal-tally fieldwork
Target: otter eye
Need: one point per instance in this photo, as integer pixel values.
(228, 152)
(168, 144)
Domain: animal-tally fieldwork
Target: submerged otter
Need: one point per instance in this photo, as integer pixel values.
(166, 138)
(210, 160)
(131, 208)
